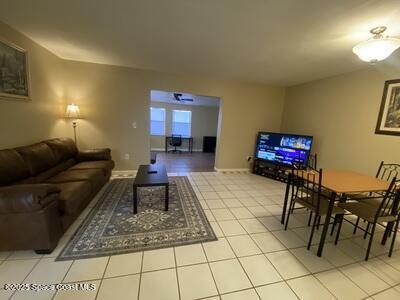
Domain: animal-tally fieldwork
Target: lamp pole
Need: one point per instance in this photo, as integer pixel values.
(72, 112)
(74, 124)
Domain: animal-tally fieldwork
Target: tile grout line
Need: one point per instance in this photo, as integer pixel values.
(229, 259)
(378, 256)
(230, 293)
(212, 274)
(244, 270)
(62, 280)
(324, 286)
(338, 268)
(283, 279)
(240, 263)
(176, 273)
(375, 273)
(287, 249)
(226, 259)
(102, 278)
(394, 251)
(140, 275)
(351, 280)
(27, 275)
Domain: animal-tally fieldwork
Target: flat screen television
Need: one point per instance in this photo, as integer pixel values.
(284, 149)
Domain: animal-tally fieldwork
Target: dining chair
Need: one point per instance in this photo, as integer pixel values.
(376, 209)
(311, 165)
(386, 171)
(312, 161)
(308, 192)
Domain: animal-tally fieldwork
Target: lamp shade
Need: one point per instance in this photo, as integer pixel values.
(374, 50)
(72, 111)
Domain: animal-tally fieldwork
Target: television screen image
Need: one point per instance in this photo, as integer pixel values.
(283, 149)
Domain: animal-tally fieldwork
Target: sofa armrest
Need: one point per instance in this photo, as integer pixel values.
(27, 197)
(94, 154)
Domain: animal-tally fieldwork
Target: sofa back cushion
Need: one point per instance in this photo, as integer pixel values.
(63, 148)
(39, 157)
(45, 175)
(12, 167)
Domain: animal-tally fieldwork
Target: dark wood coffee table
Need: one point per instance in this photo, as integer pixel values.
(150, 175)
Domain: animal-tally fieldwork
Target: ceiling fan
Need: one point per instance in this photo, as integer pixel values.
(178, 97)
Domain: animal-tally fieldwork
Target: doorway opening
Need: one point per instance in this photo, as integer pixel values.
(184, 130)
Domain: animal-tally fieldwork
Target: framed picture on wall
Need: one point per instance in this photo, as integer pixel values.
(389, 113)
(14, 73)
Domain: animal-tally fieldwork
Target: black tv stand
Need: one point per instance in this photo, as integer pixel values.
(270, 170)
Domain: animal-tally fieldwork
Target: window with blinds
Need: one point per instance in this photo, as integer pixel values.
(182, 122)
(157, 121)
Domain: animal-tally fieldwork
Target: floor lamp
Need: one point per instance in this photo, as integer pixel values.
(72, 112)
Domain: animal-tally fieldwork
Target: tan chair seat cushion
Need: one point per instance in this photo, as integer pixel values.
(363, 196)
(72, 195)
(323, 208)
(366, 210)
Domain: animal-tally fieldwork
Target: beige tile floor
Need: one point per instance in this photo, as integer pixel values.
(254, 258)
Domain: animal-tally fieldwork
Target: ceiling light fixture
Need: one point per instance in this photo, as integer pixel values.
(378, 47)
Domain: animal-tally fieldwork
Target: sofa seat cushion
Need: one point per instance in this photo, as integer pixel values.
(105, 165)
(72, 195)
(94, 176)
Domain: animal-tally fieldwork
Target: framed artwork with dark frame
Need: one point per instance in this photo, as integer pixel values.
(14, 72)
(389, 113)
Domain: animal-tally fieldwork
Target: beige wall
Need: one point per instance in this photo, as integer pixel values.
(341, 113)
(23, 122)
(204, 123)
(112, 98)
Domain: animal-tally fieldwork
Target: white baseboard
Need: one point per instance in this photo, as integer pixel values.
(123, 172)
(183, 149)
(232, 170)
(129, 172)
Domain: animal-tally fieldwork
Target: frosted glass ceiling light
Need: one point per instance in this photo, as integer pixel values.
(376, 48)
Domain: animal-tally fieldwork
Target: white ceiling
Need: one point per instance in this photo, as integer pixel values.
(280, 42)
(168, 97)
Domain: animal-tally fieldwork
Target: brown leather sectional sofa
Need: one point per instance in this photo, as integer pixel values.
(43, 189)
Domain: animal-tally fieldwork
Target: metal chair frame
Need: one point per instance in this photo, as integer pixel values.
(389, 206)
(309, 184)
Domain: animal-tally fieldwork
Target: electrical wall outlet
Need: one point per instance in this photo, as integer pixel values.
(126, 156)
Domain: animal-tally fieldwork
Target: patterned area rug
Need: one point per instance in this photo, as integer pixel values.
(111, 228)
